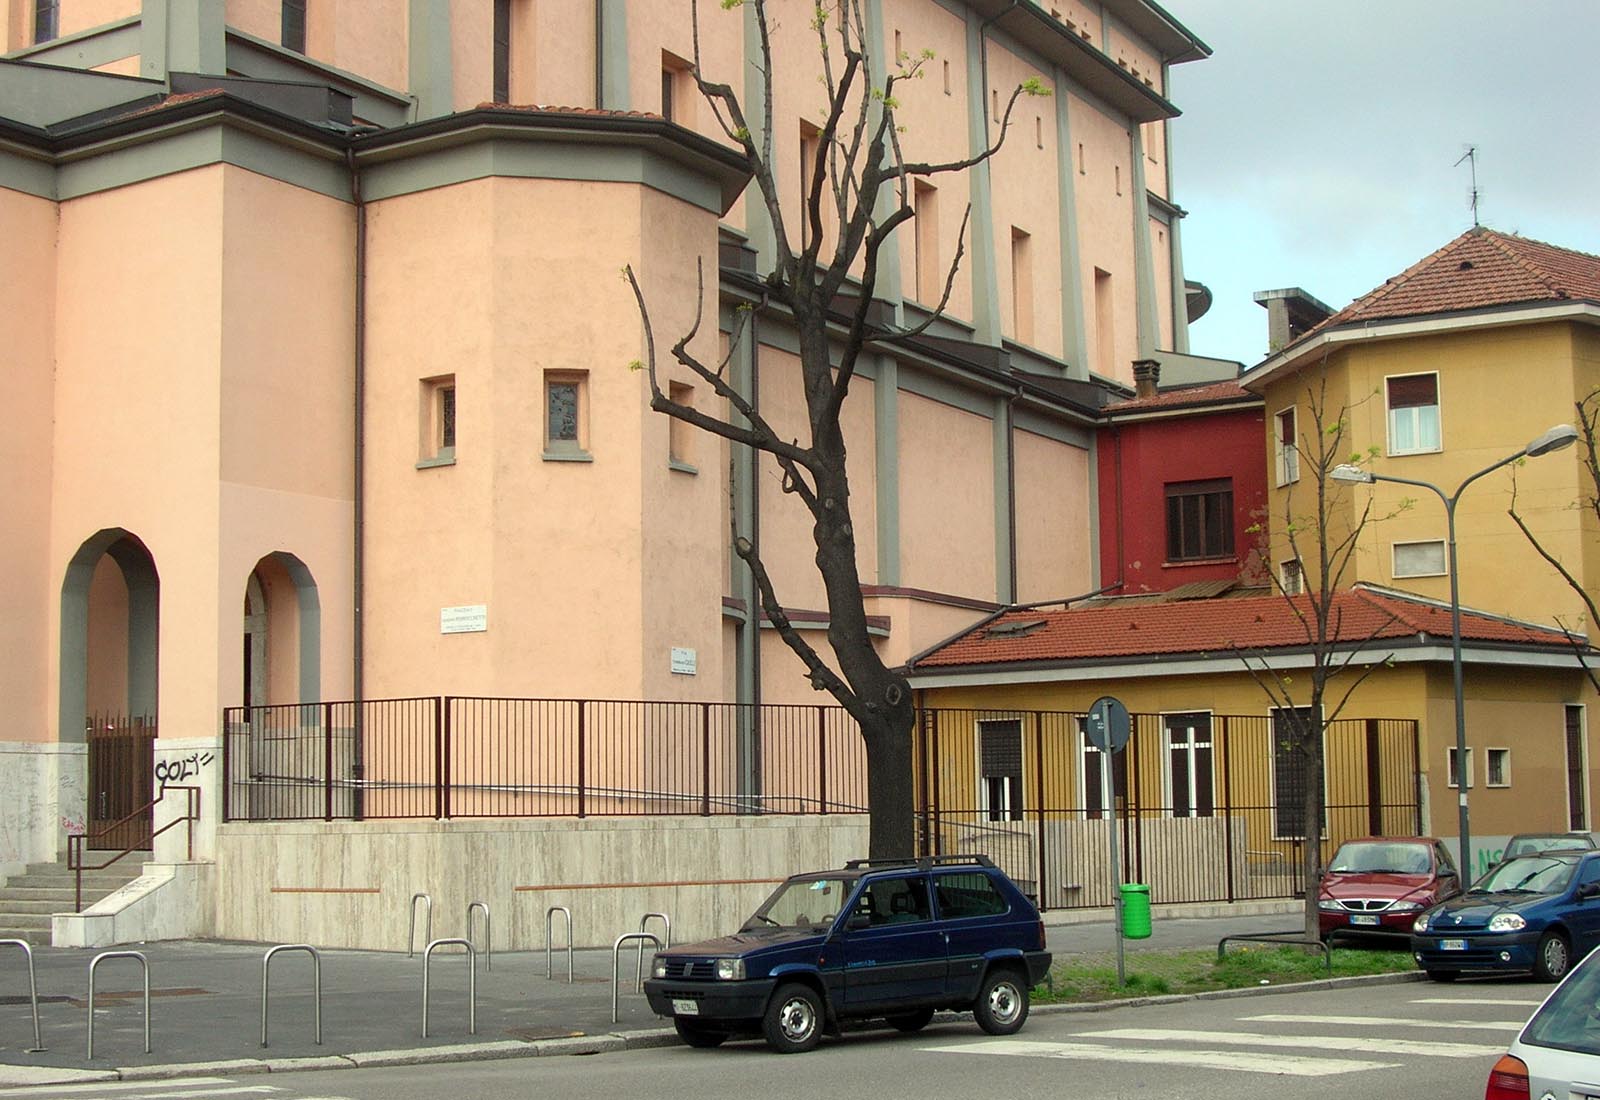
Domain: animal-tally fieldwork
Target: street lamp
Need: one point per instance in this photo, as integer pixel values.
(1562, 435)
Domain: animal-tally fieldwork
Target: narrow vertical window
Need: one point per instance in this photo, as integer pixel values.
(947, 78)
(1189, 772)
(1577, 771)
(929, 275)
(899, 51)
(438, 422)
(1021, 286)
(502, 51)
(677, 89)
(293, 25)
(566, 415)
(1095, 803)
(1117, 174)
(1038, 131)
(1000, 754)
(1453, 766)
(994, 96)
(1287, 447)
(1083, 165)
(680, 433)
(1105, 335)
(1292, 577)
(810, 151)
(46, 20)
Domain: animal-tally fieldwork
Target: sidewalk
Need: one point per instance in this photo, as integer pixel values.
(205, 1004)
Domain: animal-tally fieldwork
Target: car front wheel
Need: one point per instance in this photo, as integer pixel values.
(793, 1021)
(1002, 1004)
(1552, 958)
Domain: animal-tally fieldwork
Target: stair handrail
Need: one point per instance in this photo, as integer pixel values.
(76, 841)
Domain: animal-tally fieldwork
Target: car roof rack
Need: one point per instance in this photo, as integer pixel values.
(923, 863)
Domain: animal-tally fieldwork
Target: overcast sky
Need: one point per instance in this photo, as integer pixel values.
(1317, 144)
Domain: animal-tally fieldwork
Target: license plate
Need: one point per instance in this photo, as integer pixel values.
(1452, 945)
(1363, 918)
(682, 1007)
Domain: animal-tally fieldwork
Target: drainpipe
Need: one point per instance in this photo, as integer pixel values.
(358, 569)
(599, 54)
(1011, 490)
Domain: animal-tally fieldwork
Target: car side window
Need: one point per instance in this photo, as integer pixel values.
(894, 901)
(1442, 855)
(967, 894)
(1589, 872)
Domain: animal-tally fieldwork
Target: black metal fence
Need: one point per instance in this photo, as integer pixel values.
(457, 756)
(1208, 807)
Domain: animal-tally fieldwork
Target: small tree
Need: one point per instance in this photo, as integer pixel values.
(825, 287)
(1312, 599)
(1588, 411)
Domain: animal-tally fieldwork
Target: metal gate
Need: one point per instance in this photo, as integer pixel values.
(1209, 807)
(121, 781)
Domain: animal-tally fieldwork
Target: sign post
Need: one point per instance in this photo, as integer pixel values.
(1107, 729)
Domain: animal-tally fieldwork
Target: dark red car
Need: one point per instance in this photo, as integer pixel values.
(1377, 885)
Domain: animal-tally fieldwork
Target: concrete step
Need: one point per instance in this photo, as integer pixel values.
(25, 921)
(33, 937)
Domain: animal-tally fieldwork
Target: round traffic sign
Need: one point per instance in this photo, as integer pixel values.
(1107, 726)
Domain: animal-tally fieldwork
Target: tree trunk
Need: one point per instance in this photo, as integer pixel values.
(1311, 853)
(890, 787)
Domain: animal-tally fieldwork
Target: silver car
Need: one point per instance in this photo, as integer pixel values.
(1557, 1056)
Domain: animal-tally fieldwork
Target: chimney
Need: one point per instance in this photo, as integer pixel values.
(1146, 374)
(1291, 313)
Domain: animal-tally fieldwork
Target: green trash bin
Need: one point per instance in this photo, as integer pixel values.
(1135, 911)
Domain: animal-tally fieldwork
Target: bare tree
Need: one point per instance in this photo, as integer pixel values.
(1339, 663)
(1588, 411)
(856, 196)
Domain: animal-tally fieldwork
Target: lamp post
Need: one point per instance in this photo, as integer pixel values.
(1562, 435)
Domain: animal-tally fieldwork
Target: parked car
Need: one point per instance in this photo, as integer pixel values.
(897, 940)
(1524, 843)
(1558, 1052)
(1376, 886)
(1538, 913)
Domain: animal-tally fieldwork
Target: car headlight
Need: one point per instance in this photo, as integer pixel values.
(730, 970)
(1328, 903)
(659, 969)
(1507, 922)
(1405, 907)
(1420, 925)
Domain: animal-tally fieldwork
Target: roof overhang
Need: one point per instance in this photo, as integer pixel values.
(1212, 664)
(1315, 346)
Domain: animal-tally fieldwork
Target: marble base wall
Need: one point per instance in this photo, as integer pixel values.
(168, 901)
(350, 884)
(42, 787)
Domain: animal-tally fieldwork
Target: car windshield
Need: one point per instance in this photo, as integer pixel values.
(1527, 875)
(806, 903)
(1523, 844)
(1570, 1019)
(1380, 856)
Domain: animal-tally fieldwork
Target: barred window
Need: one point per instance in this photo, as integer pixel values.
(1200, 520)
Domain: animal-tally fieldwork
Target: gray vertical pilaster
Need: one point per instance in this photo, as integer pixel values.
(430, 67)
(985, 284)
(1005, 581)
(1143, 260)
(1095, 519)
(747, 647)
(186, 36)
(1074, 326)
(758, 223)
(888, 285)
(611, 54)
(886, 440)
(1180, 291)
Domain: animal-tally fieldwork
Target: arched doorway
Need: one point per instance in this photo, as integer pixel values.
(282, 651)
(110, 637)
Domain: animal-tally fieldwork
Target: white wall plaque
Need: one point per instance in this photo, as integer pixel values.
(683, 661)
(469, 619)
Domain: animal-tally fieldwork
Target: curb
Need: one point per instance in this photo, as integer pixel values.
(606, 1043)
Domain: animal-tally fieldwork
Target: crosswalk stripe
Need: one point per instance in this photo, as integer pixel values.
(236, 1090)
(1318, 1042)
(1477, 1001)
(1211, 1059)
(1390, 1021)
(111, 1088)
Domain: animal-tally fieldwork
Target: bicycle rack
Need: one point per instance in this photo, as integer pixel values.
(488, 932)
(316, 971)
(548, 914)
(144, 963)
(666, 941)
(472, 982)
(33, 993)
(427, 926)
(616, 954)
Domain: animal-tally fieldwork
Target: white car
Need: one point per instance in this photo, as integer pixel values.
(1557, 1056)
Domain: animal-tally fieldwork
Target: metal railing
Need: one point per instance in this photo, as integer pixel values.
(144, 841)
(472, 982)
(144, 966)
(33, 992)
(641, 938)
(457, 756)
(549, 915)
(316, 979)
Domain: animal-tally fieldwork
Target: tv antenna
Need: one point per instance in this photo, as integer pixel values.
(1471, 157)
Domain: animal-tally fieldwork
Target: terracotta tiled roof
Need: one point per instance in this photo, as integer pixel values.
(1480, 269)
(1214, 393)
(1214, 627)
(539, 108)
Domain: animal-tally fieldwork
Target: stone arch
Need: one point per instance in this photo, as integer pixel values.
(136, 569)
(282, 632)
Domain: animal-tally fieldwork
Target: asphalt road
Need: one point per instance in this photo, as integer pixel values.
(1413, 1040)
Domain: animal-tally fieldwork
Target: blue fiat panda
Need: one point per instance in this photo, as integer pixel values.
(893, 940)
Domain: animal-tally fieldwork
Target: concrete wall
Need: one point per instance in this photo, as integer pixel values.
(349, 884)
